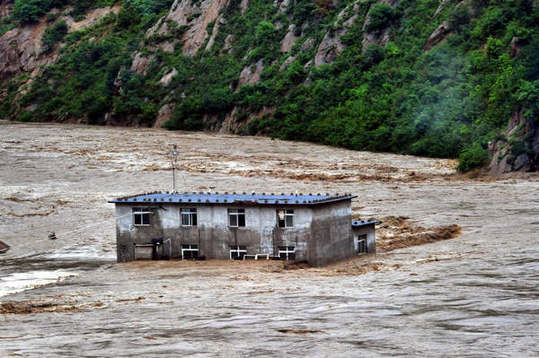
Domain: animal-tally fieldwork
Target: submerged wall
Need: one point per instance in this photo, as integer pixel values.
(370, 232)
(331, 232)
(321, 234)
(261, 234)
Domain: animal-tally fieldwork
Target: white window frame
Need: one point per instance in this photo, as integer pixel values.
(189, 248)
(189, 213)
(238, 249)
(284, 215)
(236, 213)
(141, 211)
(287, 250)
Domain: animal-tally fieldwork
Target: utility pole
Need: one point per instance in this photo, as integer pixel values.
(173, 154)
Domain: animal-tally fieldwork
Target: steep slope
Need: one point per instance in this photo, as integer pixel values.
(437, 78)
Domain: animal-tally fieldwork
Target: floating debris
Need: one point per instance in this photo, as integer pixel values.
(4, 247)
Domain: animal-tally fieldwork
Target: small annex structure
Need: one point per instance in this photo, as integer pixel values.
(297, 227)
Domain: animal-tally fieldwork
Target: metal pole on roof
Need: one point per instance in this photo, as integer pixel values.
(173, 154)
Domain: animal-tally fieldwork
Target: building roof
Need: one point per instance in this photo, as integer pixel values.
(359, 223)
(234, 198)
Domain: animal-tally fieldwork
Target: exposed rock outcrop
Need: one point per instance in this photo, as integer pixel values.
(380, 39)
(518, 149)
(250, 75)
(444, 29)
(140, 63)
(370, 38)
(5, 8)
(308, 44)
(166, 79)
(515, 46)
(196, 15)
(289, 40)
(287, 62)
(243, 6)
(163, 115)
(331, 45)
(438, 35)
(232, 123)
(214, 33)
(227, 47)
(282, 5)
(441, 6)
(91, 19)
(329, 49)
(20, 48)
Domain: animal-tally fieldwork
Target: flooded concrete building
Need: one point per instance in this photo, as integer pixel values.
(364, 234)
(312, 228)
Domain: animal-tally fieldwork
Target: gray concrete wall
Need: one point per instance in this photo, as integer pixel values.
(368, 230)
(261, 234)
(331, 234)
(127, 234)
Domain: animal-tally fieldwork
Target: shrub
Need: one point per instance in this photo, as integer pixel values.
(80, 7)
(25, 117)
(373, 54)
(473, 157)
(380, 17)
(303, 11)
(264, 32)
(148, 7)
(459, 17)
(53, 35)
(187, 115)
(30, 10)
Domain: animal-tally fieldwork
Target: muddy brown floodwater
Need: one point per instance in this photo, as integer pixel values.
(473, 295)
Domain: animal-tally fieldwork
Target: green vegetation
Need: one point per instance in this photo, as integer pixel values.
(28, 11)
(381, 15)
(33, 10)
(53, 35)
(449, 101)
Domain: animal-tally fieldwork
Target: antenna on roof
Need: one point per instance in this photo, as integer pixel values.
(173, 154)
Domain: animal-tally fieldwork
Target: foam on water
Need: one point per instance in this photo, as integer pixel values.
(22, 281)
(35, 270)
(79, 253)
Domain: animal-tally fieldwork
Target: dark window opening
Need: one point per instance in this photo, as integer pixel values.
(141, 216)
(236, 217)
(285, 218)
(189, 252)
(362, 244)
(188, 216)
(237, 252)
(287, 253)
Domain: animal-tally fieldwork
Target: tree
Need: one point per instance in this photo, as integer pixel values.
(380, 17)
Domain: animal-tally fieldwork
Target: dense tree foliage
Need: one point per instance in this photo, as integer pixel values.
(449, 101)
(53, 35)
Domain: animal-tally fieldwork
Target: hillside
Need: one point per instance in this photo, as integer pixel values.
(440, 78)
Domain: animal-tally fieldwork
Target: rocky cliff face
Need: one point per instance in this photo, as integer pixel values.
(191, 16)
(517, 149)
(21, 47)
(185, 26)
(335, 71)
(5, 8)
